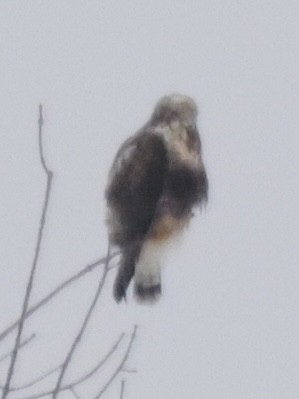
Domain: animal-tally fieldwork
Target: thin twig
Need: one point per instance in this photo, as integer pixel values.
(40, 142)
(49, 175)
(120, 366)
(122, 389)
(87, 269)
(34, 381)
(74, 393)
(98, 366)
(81, 379)
(83, 327)
(75, 383)
(27, 312)
(24, 343)
(129, 371)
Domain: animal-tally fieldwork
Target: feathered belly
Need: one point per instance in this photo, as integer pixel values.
(167, 225)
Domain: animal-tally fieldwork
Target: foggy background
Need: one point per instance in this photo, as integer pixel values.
(227, 326)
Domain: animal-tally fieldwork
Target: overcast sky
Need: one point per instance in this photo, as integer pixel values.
(227, 326)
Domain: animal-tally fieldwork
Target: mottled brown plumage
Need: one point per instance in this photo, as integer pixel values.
(156, 179)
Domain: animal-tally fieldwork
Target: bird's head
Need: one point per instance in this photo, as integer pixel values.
(175, 107)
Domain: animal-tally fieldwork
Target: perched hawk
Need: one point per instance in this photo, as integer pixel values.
(156, 179)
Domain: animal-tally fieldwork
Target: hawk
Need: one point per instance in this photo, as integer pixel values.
(155, 181)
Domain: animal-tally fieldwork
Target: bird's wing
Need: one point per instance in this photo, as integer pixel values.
(135, 185)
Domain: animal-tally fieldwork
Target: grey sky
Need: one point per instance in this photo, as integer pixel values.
(228, 324)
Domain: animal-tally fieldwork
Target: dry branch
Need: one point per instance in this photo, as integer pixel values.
(74, 393)
(34, 381)
(98, 366)
(80, 380)
(122, 389)
(27, 312)
(87, 269)
(49, 175)
(83, 327)
(22, 344)
(120, 367)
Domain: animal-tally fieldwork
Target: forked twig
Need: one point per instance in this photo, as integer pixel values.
(83, 327)
(119, 368)
(27, 312)
(98, 366)
(87, 269)
(34, 381)
(22, 344)
(74, 393)
(75, 383)
(49, 175)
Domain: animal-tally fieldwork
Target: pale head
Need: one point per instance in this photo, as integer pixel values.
(175, 107)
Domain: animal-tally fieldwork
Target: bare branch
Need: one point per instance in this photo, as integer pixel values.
(34, 381)
(129, 371)
(40, 141)
(27, 312)
(24, 343)
(75, 383)
(35, 260)
(120, 366)
(83, 327)
(79, 380)
(74, 393)
(98, 366)
(122, 389)
(87, 269)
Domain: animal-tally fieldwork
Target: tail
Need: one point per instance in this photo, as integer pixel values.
(147, 287)
(125, 272)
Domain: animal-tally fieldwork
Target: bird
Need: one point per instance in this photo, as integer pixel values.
(156, 181)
